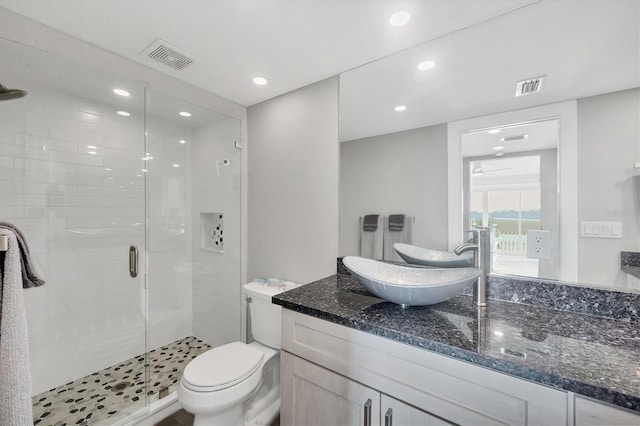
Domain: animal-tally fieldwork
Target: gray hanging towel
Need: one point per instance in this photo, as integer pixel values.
(391, 236)
(29, 277)
(15, 373)
(371, 241)
(396, 222)
(370, 223)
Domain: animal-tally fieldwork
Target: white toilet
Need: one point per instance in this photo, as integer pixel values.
(239, 383)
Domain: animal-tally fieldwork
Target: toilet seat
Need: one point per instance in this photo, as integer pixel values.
(238, 361)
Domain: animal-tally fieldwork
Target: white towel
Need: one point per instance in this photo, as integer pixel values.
(371, 241)
(15, 373)
(391, 237)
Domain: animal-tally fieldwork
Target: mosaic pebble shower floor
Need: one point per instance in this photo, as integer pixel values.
(118, 390)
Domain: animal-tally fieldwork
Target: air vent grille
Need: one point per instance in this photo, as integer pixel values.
(514, 138)
(169, 55)
(527, 87)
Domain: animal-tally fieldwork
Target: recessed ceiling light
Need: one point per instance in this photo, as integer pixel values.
(92, 147)
(145, 170)
(494, 131)
(176, 165)
(139, 175)
(110, 178)
(260, 81)
(182, 141)
(499, 154)
(108, 170)
(498, 148)
(400, 108)
(399, 18)
(123, 113)
(92, 153)
(426, 65)
(121, 92)
(185, 114)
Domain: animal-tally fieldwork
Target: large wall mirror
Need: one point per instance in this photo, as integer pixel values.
(443, 134)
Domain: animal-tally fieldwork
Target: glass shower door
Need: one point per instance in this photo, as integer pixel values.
(72, 179)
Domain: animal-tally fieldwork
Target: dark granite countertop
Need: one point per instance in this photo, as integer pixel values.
(589, 355)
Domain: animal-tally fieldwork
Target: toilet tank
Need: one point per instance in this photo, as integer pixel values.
(266, 321)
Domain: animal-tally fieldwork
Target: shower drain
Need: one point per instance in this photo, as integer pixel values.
(120, 386)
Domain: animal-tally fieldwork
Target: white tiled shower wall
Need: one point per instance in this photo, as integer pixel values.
(169, 229)
(80, 218)
(216, 188)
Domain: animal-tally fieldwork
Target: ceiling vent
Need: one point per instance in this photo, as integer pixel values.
(168, 54)
(514, 138)
(527, 87)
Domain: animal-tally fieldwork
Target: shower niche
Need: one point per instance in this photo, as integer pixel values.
(211, 232)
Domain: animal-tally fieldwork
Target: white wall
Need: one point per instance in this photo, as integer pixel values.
(293, 184)
(608, 183)
(398, 173)
(216, 188)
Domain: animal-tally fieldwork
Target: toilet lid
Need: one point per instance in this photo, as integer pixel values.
(222, 367)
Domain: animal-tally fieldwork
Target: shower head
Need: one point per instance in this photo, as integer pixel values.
(8, 94)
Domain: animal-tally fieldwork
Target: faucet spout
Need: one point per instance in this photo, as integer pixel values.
(481, 260)
(463, 248)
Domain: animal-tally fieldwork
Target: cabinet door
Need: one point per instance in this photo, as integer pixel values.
(594, 413)
(397, 413)
(314, 396)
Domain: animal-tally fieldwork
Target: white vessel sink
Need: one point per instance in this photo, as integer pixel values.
(436, 258)
(410, 286)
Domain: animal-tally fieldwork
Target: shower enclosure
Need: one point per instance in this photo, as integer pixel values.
(104, 176)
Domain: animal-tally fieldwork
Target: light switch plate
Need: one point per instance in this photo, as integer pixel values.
(601, 229)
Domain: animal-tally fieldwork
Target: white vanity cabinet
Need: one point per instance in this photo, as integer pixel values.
(317, 396)
(594, 413)
(331, 372)
(397, 413)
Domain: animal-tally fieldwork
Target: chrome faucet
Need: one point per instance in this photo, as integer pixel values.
(481, 260)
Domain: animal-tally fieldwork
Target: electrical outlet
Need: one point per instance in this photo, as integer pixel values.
(538, 244)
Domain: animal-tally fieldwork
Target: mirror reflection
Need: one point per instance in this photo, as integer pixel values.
(543, 170)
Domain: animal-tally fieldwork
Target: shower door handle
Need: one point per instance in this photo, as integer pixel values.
(133, 261)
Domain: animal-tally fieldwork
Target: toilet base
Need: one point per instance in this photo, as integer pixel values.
(233, 416)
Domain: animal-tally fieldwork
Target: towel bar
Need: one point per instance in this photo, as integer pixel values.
(4, 243)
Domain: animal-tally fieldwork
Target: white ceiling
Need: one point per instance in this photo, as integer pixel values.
(291, 43)
(583, 47)
(540, 135)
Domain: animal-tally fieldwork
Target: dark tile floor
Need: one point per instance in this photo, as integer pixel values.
(180, 418)
(183, 418)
